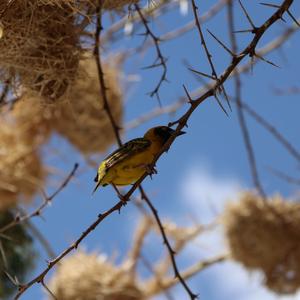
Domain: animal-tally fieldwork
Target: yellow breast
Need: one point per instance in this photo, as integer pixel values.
(130, 170)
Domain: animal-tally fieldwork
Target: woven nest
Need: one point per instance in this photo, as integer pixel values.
(266, 236)
(91, 277)
(40, 46)
(82, 119)
(33, 118)
(117, 4)
(21, 170)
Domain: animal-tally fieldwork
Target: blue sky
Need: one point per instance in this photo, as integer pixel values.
(203, 168)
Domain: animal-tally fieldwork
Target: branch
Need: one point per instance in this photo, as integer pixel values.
(209, 58)
(193, 270)
(160, 60)
(97, 55)
(39, 210)
(168, 245)
(238, 95)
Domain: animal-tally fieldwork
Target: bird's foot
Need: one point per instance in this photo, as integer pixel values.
(151, 170)
(120, 196)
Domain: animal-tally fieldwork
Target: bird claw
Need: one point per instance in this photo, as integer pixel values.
(151, 170)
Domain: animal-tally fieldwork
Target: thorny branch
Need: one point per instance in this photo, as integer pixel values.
(249, 50)
(47, 200)
(117, 135)
(238, 96)
(168, 245)
(97, 55)
(209, 58)
(160, 61)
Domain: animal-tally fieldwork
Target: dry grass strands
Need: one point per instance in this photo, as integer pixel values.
(81, 119)
(39, 47)
(266, 236)
(33, 118)
(92, 277)
(21, 171)
(117, 4)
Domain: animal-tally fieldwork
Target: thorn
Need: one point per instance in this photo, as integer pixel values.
(203, 74)
(269, 4)
(267, 61)
(187, 94)
(220, 104)
(222, 44)
(247, 16)
(293, 18)
(243, 31)
(226, 97)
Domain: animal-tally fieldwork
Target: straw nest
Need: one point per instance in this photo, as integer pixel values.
(81, 119)
(33, 118)
(21, 170)
(266, 236)
(40, 46)
(91, 277)
(117, 4)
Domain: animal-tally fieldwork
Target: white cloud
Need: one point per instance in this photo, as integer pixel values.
(207, 193)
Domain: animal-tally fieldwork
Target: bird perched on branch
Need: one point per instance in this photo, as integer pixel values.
(127, 164)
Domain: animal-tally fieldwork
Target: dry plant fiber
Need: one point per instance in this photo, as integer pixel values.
(21, 170)
(39, 47)
(81, 119)
(79, 116)
(85, 276)
(265, 235)
(33, 118)
(117, 4)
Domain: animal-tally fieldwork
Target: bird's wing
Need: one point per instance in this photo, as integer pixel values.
(127, 150)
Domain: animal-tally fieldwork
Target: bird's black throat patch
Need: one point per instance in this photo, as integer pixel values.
(164, 132)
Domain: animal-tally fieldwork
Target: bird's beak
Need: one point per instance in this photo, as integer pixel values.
(181, 132)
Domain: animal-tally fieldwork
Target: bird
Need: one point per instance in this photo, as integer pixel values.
(127, 164)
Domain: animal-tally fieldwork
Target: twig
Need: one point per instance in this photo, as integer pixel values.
(47, 200)
(43, 241)
(48, 290)
(209, 57)
(97, 55)
(193, 270)
(157, 278)
(284, 176)
(241, 117)
(160, 61)
(168, 245)
(286, 144)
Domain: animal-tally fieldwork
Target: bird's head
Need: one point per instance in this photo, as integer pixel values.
(161, 133)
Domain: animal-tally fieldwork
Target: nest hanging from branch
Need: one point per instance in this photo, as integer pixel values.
(85, 276)
(117, 4)
(81, 119)
(21, 170)
(40, 46)
(266, 236)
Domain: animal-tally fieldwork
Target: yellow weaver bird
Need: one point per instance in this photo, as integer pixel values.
(127, 164)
